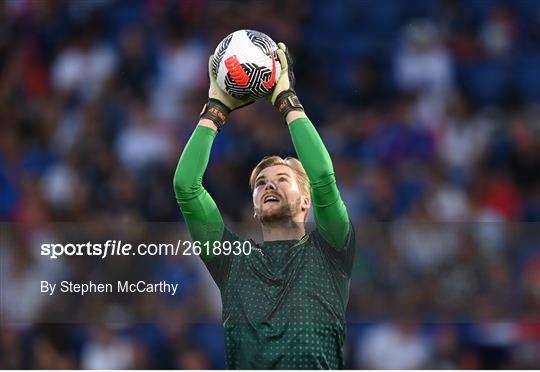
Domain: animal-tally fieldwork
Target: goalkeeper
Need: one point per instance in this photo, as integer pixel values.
(283, 304)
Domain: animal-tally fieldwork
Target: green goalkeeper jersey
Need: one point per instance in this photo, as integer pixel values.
(284, 303)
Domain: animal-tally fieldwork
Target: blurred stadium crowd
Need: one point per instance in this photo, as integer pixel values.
(430, 110)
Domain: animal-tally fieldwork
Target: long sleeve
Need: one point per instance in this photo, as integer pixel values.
(328, 209)
(200, 212)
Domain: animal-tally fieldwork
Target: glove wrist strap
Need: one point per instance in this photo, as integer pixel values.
(286, 102)
(215, 111)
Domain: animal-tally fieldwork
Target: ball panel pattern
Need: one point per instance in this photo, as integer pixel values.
(262, 41)
(220, 52)
(254, 88)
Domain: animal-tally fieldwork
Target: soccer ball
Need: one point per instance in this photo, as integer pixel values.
(245, 64)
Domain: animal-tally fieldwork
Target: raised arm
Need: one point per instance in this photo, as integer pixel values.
(328, 209)
(200, 212)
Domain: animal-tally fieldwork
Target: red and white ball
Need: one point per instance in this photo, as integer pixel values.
(245, 64)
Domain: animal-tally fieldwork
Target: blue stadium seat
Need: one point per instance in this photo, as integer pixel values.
(420, 9)
(527, 78)
(358, 45)
(528, 10)
(478, 10)
(486, 82)
(385, 17)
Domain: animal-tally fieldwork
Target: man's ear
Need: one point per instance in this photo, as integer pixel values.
(306, 202)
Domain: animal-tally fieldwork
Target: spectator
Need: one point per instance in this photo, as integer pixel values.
(107, 351)
(424, 67)
(84, 65)
(390, 346)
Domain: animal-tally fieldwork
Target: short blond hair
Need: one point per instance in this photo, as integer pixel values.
(293, 163)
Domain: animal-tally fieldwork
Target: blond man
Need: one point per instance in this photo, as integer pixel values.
(283, 303)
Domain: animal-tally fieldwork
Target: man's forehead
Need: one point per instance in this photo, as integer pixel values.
(274, 170)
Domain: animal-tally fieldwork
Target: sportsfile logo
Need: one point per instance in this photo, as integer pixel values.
(109, 248)
(119, 248)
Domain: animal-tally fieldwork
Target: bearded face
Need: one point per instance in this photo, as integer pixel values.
(280, 210)
(277, 196)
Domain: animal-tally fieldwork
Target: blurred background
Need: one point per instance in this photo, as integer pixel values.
(429, 108)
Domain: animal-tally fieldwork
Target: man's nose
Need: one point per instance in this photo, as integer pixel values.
(269, 186)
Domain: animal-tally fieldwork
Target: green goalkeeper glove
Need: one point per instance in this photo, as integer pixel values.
(284, 97)
(220, 104)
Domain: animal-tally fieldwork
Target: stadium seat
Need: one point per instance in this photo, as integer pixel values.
(527, 78)
(486, 82)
